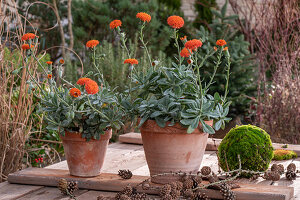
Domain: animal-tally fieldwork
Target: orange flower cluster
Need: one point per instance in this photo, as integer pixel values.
(92, 43)
(91, 87)
(131, 61)
(49, 62)
(183, 38)
(49, 76)
(82, 81)
(28, 36)
(62, 61)
(74, 92)
(26, 46)
(185, 53)
(221, 42)
(144, 17)
(115, 23)
(193, 44)
(175, 22)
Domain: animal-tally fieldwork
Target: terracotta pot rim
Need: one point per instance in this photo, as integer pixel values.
(177, 128)
(77, 136)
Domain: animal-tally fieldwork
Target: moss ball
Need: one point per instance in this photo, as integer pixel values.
(282, 154)
(252, 143)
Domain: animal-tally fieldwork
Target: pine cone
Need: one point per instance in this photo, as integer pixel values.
(167, 197)
(63, 185)
(205, 170)
(290, 175)
(226, 191)
(188, 184)
(139, 196)
(184, 177)
(274, 168)
(125, 174)
(200, 196)
(124, 197)
(127, 190)
(198, 179)
(188, 193)
(280, 168)
(72, 187)
(164, 190)
(175, 194)
(291, 167)
(272, 175)
(179, 185)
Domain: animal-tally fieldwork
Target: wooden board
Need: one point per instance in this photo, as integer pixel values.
(14, 191)
(212, 143)
(112, 182)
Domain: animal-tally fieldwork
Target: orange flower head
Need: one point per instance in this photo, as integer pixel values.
(49, 62)
(175, 22)
(131, 61)
(82, 81)
(185, 53)
(28, 36)
(215, 48)
(189, 61)
(62, 61)
(74, 92)
(115, 23)
(225, 49)
(49, 76)
(92, 43)
(183, 38)
(193, 44)
(221, 42)
(144, 17)
(91, 87)
(26, 46)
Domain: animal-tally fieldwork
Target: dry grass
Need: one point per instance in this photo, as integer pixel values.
(273, 27)
(16, 103)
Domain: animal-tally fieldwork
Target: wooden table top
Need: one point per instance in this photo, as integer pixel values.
(120, 156)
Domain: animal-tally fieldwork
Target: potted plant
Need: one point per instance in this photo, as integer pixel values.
(175, 110)
(84, 114)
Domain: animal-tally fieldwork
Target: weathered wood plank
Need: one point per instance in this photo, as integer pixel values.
(14, 191)
(112, 182)
(131, 138)
(92, 195)
(49, 193)
(212, 143)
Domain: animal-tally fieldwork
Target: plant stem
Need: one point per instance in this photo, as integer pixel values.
(144, 45)
(215, 68)
(96, 66)
(228, 74)
(177, 45)
(123, 39)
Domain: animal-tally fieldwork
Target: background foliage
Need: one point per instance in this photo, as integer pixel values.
(242, 77)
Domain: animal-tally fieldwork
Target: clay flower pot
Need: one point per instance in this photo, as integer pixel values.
(172, 149)
(85, 158)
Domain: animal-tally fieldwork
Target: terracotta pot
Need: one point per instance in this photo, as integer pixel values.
(85, 158)
(172, 149)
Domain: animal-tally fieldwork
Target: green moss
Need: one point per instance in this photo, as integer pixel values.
(253, 145)
(281, 154)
